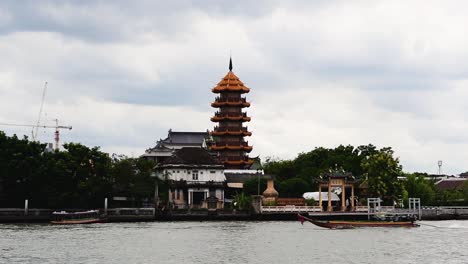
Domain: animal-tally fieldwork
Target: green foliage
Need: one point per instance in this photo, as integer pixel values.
(251, 186)
(132, 178)
(294, 177)
(294, 187)
(382, 171)
(465, 192)
(417, 186)
(78, 177)
(242, 201)
(311, 202)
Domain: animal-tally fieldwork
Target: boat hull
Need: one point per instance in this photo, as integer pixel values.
(357, 224)
(77, 222)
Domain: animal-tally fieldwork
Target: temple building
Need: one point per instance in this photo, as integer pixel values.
(228, 135)
(176, 140)
(195, 177)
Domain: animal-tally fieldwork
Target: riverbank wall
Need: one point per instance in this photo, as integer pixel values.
(20, 215)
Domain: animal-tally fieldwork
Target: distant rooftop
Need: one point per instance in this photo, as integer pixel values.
(450, 184)
(177, 140)
(191, 156)
(185, 138)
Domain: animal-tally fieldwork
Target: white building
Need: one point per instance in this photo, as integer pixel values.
(197, 179)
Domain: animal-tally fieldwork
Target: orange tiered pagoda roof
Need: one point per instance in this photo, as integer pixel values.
(220, 102)
(231, 147)
(239, 162)
(230, 117)
(230, 83)
(229, 142)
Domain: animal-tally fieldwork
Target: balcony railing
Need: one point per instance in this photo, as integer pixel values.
(244, 158)
(230, 114)
(228, 143)
(230, 128)
(232, 100)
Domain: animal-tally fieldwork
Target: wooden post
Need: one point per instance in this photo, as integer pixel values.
(329, 209)
(105, 206)
(156, 195)
(26, 207)
(190, 198)
(320, 197)
(343, 198)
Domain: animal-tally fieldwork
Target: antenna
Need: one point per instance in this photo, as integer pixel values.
(439, 163)
(34, 134)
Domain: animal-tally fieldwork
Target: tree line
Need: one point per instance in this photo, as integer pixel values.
(81, 177)
(377, 173)
(76, 177)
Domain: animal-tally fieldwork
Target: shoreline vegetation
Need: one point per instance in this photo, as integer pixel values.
(82, 177)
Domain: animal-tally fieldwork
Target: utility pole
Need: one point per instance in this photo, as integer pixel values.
(439, 163)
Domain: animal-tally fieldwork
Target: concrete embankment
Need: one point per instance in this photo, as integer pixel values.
(445, 213)
(18, 215)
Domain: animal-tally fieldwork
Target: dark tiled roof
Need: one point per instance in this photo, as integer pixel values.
(449, 184)
(192, 138)
(193, 156)
(180, 139)
(243, 177)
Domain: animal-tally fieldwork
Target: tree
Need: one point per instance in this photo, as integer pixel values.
(251, 186)
(242, 201)
(294, 187)
(133, 178)
(382, 171)
(417, 186)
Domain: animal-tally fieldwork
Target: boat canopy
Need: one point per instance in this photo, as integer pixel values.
(75, 213)
(315, 196)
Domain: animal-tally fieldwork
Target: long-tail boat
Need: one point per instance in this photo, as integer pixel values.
(340, 224)
(73, 218)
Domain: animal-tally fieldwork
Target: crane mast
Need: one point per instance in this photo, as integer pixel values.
(56, 133)
(34, 133)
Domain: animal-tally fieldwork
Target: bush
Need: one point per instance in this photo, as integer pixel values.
(310, 202)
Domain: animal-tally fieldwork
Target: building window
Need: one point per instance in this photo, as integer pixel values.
(178, 194)
(212, 172)
(177, 171)
(201, 172)
(194, 175)
(173, 171)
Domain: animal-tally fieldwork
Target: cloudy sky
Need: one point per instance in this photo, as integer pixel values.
(321, 73)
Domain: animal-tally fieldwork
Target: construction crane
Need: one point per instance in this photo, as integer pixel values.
(56, 133)
(34, 129)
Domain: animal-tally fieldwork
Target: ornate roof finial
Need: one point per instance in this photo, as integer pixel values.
(230, 63)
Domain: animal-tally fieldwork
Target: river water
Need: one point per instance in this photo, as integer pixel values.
(232, 242)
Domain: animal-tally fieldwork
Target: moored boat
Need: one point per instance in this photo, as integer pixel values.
(72, 218)
(356, 224)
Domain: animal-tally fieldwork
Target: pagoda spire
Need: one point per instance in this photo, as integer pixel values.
(229, 133)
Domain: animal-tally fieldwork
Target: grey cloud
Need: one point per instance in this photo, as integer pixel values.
(107, 21)
(307, 71)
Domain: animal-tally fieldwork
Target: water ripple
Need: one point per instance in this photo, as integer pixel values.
(231, 242)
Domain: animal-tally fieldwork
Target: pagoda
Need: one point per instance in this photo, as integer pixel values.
(228, 135)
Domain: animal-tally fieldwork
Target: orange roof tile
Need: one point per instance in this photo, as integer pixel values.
(230, 82)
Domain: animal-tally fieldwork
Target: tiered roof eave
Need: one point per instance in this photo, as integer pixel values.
(230, 83)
